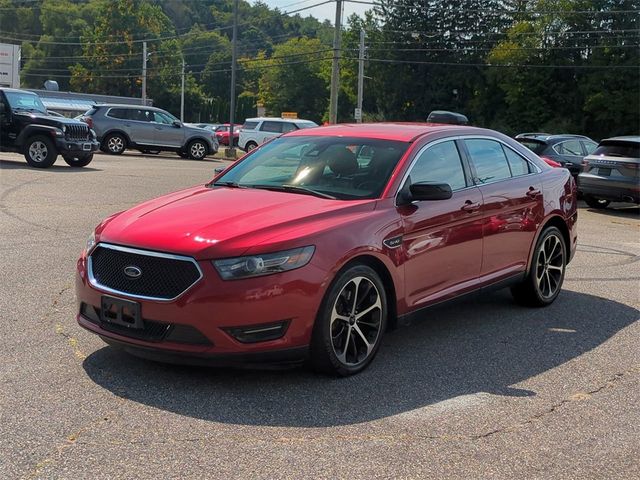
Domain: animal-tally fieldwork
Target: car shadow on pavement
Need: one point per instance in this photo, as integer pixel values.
(482, 345)
(59, 166)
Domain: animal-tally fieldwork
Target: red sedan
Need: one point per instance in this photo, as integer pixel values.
(312, 245)
(223, 131)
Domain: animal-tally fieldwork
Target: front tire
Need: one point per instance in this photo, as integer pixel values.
(250, 146)
(593, 202)
(115, 144)
(350, 323)
(197, 150)
(40, 152)
(544, 281)
(79, 162)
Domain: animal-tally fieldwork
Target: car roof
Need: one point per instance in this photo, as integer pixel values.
(405, 132)
(16, 90)
(126, 105)
(548, 137)
(624, 138)
(279, 119)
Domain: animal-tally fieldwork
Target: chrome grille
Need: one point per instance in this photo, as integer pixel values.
(162, 276)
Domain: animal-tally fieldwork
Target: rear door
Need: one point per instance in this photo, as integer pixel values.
(442, 239)
(512, 205)
(269, 129)
(137, 125)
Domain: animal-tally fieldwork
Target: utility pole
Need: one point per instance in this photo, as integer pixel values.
(335, 68)
(144, 73)
(360, 78)
(182, 94)
(234, 57)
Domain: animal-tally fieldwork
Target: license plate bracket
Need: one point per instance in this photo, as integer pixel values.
(117, 311)
(86, 147)
(604, 171)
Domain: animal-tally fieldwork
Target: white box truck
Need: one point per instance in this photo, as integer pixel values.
(9, 65)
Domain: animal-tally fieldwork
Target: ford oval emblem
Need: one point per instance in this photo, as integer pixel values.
(132, 272)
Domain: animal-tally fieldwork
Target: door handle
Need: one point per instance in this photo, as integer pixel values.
(533, 193)
(470, 206)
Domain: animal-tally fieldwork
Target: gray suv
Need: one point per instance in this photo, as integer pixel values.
(149, 130)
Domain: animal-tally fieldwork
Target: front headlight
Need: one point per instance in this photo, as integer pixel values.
(266, 264)
(91, 242)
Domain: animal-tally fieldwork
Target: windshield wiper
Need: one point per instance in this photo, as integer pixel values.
(296, 189)
(229, 184)
(28, 109)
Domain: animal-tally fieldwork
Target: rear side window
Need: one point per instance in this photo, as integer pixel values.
(440, 164)
(274, 127)
(489, 160)
(517, 164)
(288, 127)
(536, 147)
(118, 113)
(249, 125)
(570, 147)
(618, 149)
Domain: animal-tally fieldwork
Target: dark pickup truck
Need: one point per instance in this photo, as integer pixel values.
(27, 128)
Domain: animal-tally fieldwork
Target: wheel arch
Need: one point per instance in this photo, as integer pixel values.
(387, 279)
(33, 130)
(560, 223)
(129, 144)
(202, 139)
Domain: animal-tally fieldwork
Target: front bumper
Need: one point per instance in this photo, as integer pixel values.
(214, 308)
(76, 147)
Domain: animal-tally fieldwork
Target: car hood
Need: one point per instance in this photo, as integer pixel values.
(220, 222)
(50, 120)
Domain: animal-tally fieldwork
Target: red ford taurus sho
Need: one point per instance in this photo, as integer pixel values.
(313, 244)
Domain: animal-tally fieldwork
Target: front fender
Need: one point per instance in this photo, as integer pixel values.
(31, 130)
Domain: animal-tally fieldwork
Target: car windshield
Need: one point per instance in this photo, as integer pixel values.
(535, 147)
(29, 102)
(332, 167)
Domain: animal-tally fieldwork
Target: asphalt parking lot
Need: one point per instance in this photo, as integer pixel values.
(479, 389)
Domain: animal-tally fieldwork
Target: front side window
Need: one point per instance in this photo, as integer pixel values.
(28, 102)
(589, 147)
(489, 160)
(160, 117)
(273, 127)
(439, 163)
(328, 166)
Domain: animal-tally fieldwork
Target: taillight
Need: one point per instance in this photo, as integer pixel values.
(88, 121)
(551, 162)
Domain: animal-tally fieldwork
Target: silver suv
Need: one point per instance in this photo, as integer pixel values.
(149, 130)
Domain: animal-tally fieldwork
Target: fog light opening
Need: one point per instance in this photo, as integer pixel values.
(259, 333)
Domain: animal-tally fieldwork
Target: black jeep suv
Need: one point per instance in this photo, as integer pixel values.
(27, 128)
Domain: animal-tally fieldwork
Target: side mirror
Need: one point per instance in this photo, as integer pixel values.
(177, 123)
(218, 171)
(430, 191)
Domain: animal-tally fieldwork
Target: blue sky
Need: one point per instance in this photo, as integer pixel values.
(323, 12)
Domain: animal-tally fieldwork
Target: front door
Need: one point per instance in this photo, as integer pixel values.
(442, 239)
(512, 206)
(7, 130)
(166, 133)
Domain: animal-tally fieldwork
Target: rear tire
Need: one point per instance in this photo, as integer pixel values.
(40, 152)
(78, 161)
(544, 280)
(350, 324)
(115, 144)
(594, 202)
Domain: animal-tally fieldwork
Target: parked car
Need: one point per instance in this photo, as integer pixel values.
(223, 131)
(26, 127)
(444, 116)
(311, 245)
(612, 172)
(256, 131)
(149, 130)
(563, 150)
(206, 126)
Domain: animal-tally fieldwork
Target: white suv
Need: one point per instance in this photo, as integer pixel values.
(256, 131)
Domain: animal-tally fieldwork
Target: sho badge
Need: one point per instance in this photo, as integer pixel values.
(393, 242)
